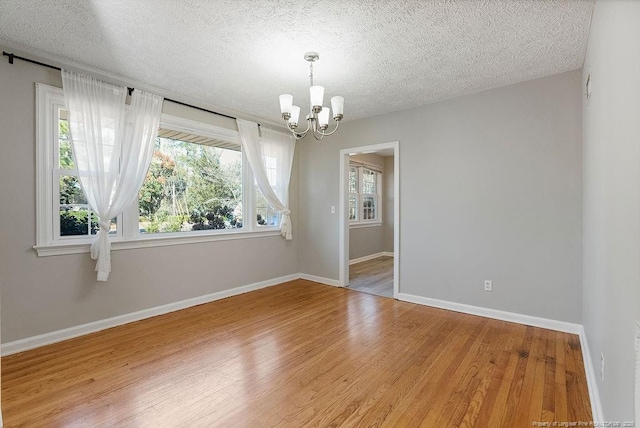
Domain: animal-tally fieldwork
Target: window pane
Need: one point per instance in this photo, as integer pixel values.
(65, 155)
(271, 168)
(369, 208)
(368, 181)
(353, 207)
(114, 226)
(189, 187)
(75, 220)
(266, 215)
(70, 191)
(353, 180)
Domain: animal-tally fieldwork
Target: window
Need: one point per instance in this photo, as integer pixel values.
(72, 215)
(191, 186)
(198, 188)
(364, 196)
(353, 194)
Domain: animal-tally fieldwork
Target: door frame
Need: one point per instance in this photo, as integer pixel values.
(343, 249)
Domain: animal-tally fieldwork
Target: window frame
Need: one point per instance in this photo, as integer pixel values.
(49, 100)
(57, 173)
(355, 195)
(360, 221)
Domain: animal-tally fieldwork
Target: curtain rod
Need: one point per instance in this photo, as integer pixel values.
(13, 57)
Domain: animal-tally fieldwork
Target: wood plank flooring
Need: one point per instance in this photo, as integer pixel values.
(373, 276)
(301, 354)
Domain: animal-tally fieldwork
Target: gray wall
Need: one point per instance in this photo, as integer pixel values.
(490, 189)
(365, 241)
(612, 201)
(44, 294)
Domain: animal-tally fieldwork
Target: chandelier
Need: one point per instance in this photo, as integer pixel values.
(318, 117)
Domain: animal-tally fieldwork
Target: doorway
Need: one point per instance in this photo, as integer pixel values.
(366, 220)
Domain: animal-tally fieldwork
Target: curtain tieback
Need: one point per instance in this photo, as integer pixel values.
(285, 225)
(101, 251)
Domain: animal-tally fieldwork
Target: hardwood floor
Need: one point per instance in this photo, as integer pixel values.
(373, 276)
(301, 354)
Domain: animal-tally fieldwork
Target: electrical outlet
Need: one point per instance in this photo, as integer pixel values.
(602, 366)
(333, 209)
(488, 285)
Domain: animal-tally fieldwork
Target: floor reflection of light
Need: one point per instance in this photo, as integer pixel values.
(363, 317)
(177, 390)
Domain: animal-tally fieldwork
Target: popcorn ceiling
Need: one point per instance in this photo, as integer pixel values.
(382, 56)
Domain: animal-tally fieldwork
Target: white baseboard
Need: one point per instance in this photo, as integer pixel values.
(80, 330)
(592, 383)
(563, 326)
(321, 280)
(370, 257)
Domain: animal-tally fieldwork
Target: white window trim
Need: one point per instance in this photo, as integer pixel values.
(48, 100)
(356, 225)
(360, 223)
(152, 241)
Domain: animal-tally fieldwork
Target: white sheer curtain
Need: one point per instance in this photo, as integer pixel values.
(270, 159)
(112, 149)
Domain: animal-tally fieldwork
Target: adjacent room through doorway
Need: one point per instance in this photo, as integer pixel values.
(369, 234)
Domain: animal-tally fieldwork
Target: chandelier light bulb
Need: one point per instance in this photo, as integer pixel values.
(295, 115)
(323, 117)
(286, 101)
(317, 96)
(337, 105)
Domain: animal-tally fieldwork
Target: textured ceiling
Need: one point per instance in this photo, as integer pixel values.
(238, 56)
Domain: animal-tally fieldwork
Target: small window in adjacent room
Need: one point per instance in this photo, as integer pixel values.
(365, 193)
(369, 195)
(353, 194)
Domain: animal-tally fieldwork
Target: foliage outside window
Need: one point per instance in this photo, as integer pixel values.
(364, 196)
(191, 187)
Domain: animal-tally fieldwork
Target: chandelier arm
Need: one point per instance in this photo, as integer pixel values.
(308, 127)
(334, 130)
(316, 136)
(303, 134)
(297, 134)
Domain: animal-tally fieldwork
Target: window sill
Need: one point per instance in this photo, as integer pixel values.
(59, 249)
(360, 225)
